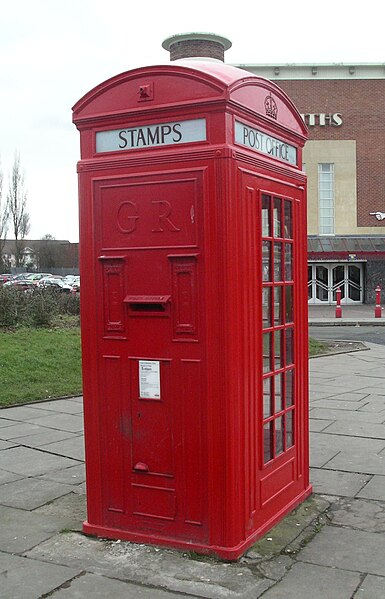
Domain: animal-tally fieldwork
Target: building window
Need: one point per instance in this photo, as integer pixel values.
(326, 199)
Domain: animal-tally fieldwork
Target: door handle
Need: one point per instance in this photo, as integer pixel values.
(141, 467)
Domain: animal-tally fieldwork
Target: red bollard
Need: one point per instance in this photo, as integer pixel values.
(338, 305)
(377, 309)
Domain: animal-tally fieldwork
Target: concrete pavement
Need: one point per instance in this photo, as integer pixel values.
(331, 547)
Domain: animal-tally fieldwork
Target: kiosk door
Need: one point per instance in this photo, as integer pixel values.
(150, 353)
(279, 409)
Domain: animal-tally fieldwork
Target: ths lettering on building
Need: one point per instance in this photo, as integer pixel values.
(322, 119)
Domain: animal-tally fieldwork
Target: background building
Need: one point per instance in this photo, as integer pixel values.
(48, 255)
(343, 107)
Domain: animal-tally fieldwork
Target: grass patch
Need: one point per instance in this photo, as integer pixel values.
(43, 363)
(39, 363)
(317, 347)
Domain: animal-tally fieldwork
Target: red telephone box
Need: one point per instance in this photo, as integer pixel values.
(194, 306)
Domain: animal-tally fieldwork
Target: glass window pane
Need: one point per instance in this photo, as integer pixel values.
(266, 259)
(278, 349)
(268, 442)
(267, 352)
(326, 198)
(279, 435)
(266, 216)
(338, 274)
(354, 293)
(278, 261)
(289, 303)
(266, 307)
(277, 217)
(267, 407)
(289, 429)
(278, 401)
(289, 390)
(289, 347)
(288, 262)
(278, 305)
(288, 220)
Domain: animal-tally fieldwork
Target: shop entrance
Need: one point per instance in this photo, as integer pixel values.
(325, 278)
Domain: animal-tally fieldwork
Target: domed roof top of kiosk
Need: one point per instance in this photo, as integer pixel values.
(197, 81)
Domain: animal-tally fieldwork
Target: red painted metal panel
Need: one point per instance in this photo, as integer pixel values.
(194, 308)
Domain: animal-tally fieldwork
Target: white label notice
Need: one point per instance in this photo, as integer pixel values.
(159, 134)
(261, 142)
(149, 379)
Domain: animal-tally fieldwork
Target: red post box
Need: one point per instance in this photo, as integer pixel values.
(194, 306)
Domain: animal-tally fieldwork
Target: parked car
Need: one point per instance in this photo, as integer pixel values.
(55, 284)
(4, 279)
(69, 279)
(21, 284)
(76, 285)
(13, 278)
(32, 277)
(37, 276)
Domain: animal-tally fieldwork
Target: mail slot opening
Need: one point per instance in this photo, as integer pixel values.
(153, 307)
(145, 305)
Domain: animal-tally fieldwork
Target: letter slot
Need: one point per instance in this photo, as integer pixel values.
(150, 305)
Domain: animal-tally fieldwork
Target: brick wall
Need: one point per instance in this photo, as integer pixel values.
(193, 48)
(361, 105)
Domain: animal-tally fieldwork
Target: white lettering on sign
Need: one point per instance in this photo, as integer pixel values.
(160, 134)
(262, 142)
(149, 379)
(322, 119)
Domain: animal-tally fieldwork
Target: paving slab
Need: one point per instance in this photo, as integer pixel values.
(347, 549)
(335, 482)
(161, 568)
(64, 422)
(22, 530)
(316, 426)
(68, 406)
(359, 514)
(45, 436)
(20, 413)
(372, 587)
(318, 582)
(8, 444)
(346, 442)
(80, 488)
(32, 462)
(21, 578)
(7, 477)
(345, 415)
(74, 475)
(71, 448)
(338, 404)
(357, 429)
(20, 429)
(69, 511)
(374, 405)
(5, 421)
(320, 456)
(100, 587)
(30, 493)
(374, 489)
(358, 461)
(352, 396)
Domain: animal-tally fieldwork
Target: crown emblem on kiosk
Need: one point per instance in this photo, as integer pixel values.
(271, 107)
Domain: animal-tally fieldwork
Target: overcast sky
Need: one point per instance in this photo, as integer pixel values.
(53, 51)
